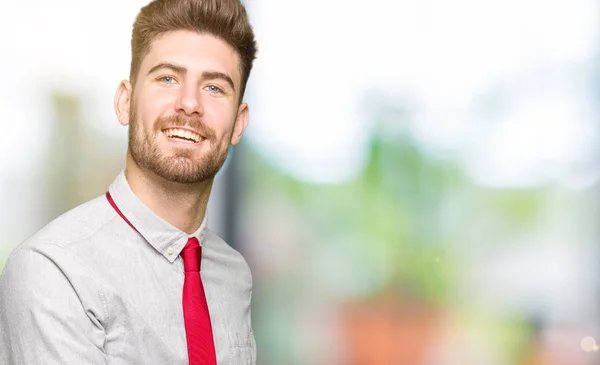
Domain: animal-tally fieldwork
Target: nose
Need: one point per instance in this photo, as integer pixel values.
(188, 101)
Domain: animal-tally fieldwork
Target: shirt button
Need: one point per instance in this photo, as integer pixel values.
(170, 251)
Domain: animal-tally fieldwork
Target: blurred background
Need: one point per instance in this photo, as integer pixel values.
(418, 184)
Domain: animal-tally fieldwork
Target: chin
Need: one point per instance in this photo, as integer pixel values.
(188, 174)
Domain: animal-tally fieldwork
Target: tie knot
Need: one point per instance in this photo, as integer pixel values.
(191, 255)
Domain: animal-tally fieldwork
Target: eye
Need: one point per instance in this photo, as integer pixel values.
(168, 80)
(214, 89)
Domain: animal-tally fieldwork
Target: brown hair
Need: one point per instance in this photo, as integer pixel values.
(225, 19)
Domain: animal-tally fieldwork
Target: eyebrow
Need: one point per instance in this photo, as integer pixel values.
(213, 75)
(170, 66)
(207, 75)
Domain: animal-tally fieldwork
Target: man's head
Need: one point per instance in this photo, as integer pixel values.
(190, 63)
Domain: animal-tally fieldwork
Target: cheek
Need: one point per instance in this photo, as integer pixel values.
(220, 116)
(155, 103)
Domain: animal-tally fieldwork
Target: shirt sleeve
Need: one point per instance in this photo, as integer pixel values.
(44, 316)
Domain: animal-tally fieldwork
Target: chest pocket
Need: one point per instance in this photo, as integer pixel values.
(243, 349)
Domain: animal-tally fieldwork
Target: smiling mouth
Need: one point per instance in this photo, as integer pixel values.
(182, 135)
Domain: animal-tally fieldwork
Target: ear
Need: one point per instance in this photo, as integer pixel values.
(241, 122)
(123, 102)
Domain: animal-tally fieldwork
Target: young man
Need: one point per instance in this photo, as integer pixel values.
(134, 276)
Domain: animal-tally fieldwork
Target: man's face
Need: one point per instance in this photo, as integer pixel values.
(183, 109)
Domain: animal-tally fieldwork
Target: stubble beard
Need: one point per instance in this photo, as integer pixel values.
(181, 167)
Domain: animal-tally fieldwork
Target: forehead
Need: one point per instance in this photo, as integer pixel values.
(197, 52)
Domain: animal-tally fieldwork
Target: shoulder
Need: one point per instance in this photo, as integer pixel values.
(225, 254)
(74, 226)
(215, 242)
(57, 256)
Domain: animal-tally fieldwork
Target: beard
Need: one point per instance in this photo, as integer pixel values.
(180, 167)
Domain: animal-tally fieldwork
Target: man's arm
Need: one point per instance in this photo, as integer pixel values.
(44, 319)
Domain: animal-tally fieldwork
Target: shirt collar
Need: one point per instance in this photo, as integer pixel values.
(165, 238)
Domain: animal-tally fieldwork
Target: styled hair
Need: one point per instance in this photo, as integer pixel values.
(224, 19)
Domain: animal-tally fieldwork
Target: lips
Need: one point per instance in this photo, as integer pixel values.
(184, 135)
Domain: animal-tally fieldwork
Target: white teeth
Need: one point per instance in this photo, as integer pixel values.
(174, 132)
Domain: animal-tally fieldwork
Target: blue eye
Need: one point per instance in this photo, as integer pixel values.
(214, 89)
(167, 79)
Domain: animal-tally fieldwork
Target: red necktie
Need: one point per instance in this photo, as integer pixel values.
(198, 329)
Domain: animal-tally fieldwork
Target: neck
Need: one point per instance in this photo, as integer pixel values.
(181, 205)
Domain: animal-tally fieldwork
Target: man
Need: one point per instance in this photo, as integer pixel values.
(134, 276)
